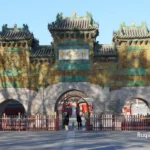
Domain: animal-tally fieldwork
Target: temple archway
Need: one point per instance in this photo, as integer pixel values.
(73, 102)
(136, 106)
(11, 107)
(70, 98)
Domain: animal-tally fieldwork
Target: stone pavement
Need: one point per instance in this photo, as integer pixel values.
(113, 140)
(74, 140)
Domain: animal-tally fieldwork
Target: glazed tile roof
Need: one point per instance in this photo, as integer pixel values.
(15, 33)
(12, 35)
(75, 22)
(105, 50)
(43, 51)
(132, 31)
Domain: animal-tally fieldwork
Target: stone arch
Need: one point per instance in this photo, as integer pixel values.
(132, 106)
(23, 95)
(4, 105)
(145, 101)
(97, 94)
(126, 93)
(68, 91)
(80, 95)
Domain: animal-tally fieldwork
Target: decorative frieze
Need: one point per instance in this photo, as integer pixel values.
(105, 59)
(13, 44)
(74, 35)
(41, 60)
(129, 78)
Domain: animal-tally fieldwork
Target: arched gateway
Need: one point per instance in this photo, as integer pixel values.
(136, 106)
(11, 107)
(43, 77)
(73, 102)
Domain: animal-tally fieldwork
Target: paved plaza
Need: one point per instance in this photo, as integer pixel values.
(74, 140)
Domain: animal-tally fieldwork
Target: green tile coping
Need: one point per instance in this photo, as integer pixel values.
(11, 84)
(73, 65)
(137, 83)
(74, 79)
(73, 47)
(138, 71)
(73, 61)
(129, 83)
(11, 73)
(134, 48)
(18, 50)
(13, 50)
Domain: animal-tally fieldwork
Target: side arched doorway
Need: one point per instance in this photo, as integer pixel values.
(73, 102)
(136, 106)
(11, 107)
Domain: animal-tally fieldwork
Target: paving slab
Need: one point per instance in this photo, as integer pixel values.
(112, 140)
(75, 140)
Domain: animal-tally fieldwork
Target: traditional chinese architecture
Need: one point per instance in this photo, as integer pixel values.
(75, 68)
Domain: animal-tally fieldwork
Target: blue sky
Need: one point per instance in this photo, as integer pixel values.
(108, 13)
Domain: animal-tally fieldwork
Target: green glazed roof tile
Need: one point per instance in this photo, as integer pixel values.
(132, 31)
(16, 33)
(43, 50)
(105, 50)
(74, 22)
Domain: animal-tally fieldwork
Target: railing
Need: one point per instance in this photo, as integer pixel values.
(24, 123)
(112, 122)
(101, 122)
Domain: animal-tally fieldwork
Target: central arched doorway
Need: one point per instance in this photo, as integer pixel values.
(73, 102)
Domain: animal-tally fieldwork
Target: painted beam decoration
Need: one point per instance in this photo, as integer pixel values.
(74, 54)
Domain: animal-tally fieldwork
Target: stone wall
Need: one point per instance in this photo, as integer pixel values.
(127, 93)
(97, 94)
(44, 100)
(24, 96)
(121, 96)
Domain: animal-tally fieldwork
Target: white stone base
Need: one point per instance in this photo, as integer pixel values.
(44, 100)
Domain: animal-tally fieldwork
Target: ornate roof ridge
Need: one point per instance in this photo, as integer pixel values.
(107, 45)
(16, 33)
(74, 22)
(105, 50)
(45, 46)
(43, 51)
(76, 18)
(16, 30)
(132, 31)
(25, 28)
(143, 24)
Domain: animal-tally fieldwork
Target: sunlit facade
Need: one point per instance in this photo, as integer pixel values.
(37, 76)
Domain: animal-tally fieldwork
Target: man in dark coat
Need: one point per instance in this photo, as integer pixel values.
(66, 121)
(79, 121)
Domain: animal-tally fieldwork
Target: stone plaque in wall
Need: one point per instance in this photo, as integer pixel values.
(74, 54)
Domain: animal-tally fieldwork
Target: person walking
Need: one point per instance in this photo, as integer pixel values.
(66, 121)
(79, 121)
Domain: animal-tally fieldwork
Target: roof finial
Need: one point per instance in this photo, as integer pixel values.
(133, 23)
(74, 13)
(15, 25)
